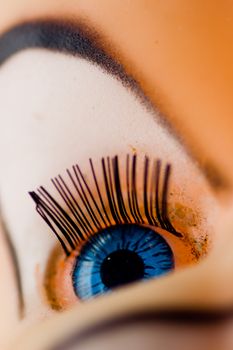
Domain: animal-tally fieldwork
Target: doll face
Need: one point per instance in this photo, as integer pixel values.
(75, 90)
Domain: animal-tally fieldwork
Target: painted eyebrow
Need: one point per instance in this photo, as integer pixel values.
(69, 38)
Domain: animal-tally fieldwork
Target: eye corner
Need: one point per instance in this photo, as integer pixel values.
(57, 294)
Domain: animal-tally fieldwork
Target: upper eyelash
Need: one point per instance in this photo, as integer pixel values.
(71, 231)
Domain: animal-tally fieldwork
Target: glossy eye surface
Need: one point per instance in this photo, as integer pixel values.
(120, 255)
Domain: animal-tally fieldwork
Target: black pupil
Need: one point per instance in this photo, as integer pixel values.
(121, 267)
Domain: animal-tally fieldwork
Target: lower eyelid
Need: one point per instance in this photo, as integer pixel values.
(58, 285)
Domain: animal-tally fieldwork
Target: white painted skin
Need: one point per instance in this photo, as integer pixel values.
(57, 110)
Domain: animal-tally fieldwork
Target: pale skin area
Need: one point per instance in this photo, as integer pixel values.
(172, 75)
(57, 92)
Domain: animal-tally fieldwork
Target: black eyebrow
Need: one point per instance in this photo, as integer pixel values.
(185, 317)
(70, 38)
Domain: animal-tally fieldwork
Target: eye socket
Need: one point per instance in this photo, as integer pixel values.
(114, 235)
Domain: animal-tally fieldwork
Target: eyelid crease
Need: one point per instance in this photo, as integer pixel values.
(14, 257)
(72, 230)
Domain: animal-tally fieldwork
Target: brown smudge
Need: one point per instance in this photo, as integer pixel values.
(184, 215)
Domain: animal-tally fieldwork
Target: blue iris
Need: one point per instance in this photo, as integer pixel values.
(119, 255)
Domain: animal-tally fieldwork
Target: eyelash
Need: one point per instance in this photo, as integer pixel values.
(73, 230)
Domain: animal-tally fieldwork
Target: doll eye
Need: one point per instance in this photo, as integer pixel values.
(113, 230)
(120, 255)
